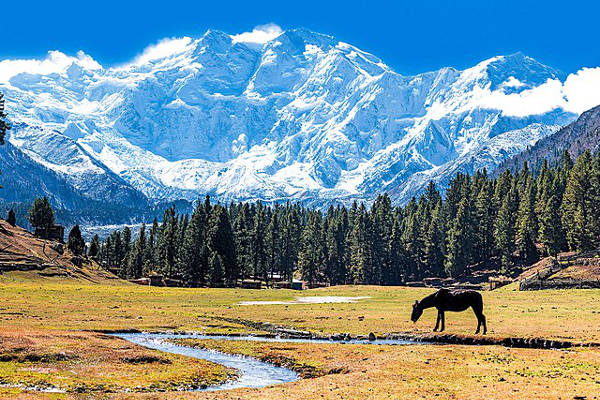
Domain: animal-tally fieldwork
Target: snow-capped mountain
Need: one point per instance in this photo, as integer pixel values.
(300, 116)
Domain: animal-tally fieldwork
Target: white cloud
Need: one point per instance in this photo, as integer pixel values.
(579, 92)
(260, 34)
(164, 48)
(55, 62)
(538, 100)
(582, 89)
(513, 82)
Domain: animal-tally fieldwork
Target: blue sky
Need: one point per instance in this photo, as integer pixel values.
(410, 36)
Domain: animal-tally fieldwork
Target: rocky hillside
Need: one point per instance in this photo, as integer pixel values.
(25, 257)
(577, 137)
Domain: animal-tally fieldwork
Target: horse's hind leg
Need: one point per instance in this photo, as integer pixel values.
(437, 322)
(484, 323)
(443, 321)
(480, 320)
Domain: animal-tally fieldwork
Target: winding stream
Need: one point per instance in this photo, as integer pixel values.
(252, 372)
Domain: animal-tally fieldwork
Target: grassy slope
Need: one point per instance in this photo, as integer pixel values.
(26, 258)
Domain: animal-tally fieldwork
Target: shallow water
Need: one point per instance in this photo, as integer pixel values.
(307, 300)
(252, 372)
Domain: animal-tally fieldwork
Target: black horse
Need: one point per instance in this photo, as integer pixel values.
(451, 300)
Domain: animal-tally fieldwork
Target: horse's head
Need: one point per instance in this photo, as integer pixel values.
(417, 311)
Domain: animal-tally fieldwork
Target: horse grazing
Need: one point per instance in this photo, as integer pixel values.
(451, 300)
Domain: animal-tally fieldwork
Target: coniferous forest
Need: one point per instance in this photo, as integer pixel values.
(501, 224)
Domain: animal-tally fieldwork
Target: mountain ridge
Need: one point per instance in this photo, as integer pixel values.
(577, 137)
(301, 117)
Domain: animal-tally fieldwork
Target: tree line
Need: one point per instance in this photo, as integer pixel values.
(500, 223)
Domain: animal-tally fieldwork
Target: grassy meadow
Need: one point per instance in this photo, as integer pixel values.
(48, 334)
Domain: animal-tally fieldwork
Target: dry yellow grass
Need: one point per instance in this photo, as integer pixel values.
(403, 372)
(92, 363)
(556, 314)
(419, 372)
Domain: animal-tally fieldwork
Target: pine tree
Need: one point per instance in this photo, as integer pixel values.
(243, 240)
(485, 214)
(526, 225)
(151, 249)
(311, 256)
(460, 240)
(335, 235)
(504, 231)
(412, 241)
(221, 243)
(273, 245)
(290, 242)
(361, 248)
(167, 243)
(579, 219)
(11, 219)
(41, 214)
(381, 230)
(94, 249)
(191, 255)
(126, 242)
(135, 258)
(117, 252)
(434, 242)
(551, 234)
(216, 270)
(259, 259)
(75, 241)
(398, 258)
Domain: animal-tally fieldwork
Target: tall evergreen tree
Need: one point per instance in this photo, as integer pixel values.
(504, 230)
(381, 230)
(167, 244)
(460, 240)
(11, 218)
(221, 243)
(191, 256)
(41, 214)
(398, 258)
(526, 225)
(311, 256)
(126, 241)
(75, 241)
(243, 227)
(434, 242)
(135, 259)
(94, 249)
(259, 253)
(485, 215)
(273, 245)
(216, 269)
(290, 242)
(579, 205)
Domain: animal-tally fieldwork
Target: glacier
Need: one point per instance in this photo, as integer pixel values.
(301, 117)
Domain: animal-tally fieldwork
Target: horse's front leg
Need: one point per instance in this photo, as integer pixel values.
(443, 318)
(437, 322)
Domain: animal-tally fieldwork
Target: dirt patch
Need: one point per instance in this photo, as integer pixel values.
(146, 359)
